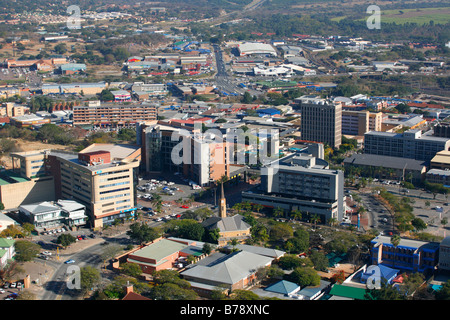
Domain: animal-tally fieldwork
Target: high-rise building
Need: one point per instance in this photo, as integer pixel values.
(322, 122)
(200, 157)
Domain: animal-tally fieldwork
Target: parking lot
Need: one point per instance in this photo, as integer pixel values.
(175, 193)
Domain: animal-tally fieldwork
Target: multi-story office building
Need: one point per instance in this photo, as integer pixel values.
(357, 123)
(410, 144)
(409, 255)
(116, 113)
(322, 122)
(166, 148)
(101, 177)
(302, 182)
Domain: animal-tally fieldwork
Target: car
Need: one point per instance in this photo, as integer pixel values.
(79, 238)
(69, 261)
(47, 253)
(92, 235)
(6, 285)
(43, 257)
(2, 291)
(178, 216)
(13, 285)
(185, 207)
(12, 296)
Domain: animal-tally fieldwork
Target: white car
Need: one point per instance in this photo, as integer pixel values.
(13, 285)
(47, 253)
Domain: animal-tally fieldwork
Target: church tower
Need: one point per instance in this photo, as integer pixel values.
(222, 203)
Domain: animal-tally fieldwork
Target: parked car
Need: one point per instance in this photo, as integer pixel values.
(69, 261)
(13, 285)
(185, 207)
(47, 253)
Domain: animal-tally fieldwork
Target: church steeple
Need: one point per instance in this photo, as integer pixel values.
(222, 203)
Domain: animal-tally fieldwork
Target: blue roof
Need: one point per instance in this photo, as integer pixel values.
(385, 272)
(283, 287)
(268, 111)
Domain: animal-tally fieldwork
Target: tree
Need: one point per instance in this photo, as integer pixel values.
(319, 260)
(26, 250)
(385, 292)
(131, 269)
(12, 231)
(280, 231)
(278, 212)
(244, 295)
(207, 249)
(247, 98)
(304, 277)
(444, 292)
(141, 233)
(66, 240)
(89, 277)
(296, 214)
(419, 224)
(191, 229)
(106, 95)
(290, 262)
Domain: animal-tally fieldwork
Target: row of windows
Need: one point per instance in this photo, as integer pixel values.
(115, 190)
(114, 184)
(115, 196)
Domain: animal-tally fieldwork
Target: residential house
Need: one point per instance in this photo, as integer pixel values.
(7, 251)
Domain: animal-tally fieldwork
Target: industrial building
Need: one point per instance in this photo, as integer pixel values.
(249, 48)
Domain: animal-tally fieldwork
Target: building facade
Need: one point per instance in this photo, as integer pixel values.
(410, 144)
(107, 114)
(302, 183)
(322, 122)
(409, 255)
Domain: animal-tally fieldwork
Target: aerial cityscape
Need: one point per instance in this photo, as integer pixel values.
(209, 151)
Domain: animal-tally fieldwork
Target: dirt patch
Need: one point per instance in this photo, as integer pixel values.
(22, 146)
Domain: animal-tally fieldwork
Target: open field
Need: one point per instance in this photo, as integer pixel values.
(420, 16)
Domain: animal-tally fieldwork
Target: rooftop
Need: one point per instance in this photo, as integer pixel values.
(159, 250)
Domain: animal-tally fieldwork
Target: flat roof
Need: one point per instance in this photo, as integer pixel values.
(9, 177)
(159, 250)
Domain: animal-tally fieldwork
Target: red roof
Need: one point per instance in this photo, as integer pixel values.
(134, 296)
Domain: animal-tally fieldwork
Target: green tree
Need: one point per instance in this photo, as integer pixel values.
(304, 277)
(66, 240)
(131, 269)
(141, 233)
(444, 292)
(26, 250)
(89, 277)
(319, 260)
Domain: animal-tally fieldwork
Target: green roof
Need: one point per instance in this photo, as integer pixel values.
(2, 252)
(6, 243)
(8, 177)
(159, 250)
(348, 292)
